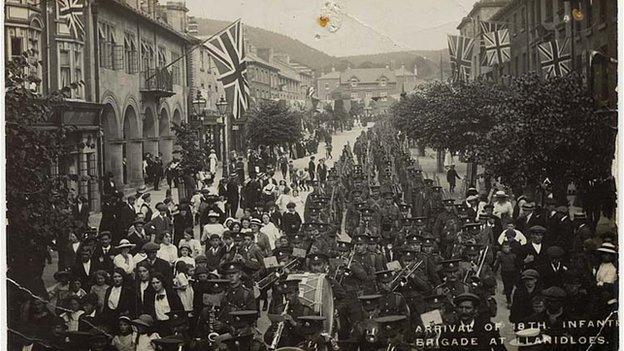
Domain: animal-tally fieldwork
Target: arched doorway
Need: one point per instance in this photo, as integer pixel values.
(150, 140)
(132, 151)
(165, 142)
(112, 147)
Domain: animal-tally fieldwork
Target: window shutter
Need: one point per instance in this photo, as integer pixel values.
(118, 57)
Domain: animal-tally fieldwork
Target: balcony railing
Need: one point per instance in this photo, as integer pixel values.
(158, 82)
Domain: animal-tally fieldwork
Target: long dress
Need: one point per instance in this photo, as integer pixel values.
(186, 293)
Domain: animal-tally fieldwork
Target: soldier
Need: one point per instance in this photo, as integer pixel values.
(237, 296)
(312, 336)
(391, 302)
(361, 270)
(393, 330)
(366, 225)
(452, 286)
(445, 227)
(353, 215)
(285, 309)
(389, 212)
(416, 285)
(243, 324)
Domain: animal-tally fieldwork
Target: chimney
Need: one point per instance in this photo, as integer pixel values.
(176, 15)
(265, 54)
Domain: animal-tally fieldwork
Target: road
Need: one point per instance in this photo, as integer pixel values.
(428, 164)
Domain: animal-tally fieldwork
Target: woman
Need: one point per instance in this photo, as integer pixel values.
(143, 288)
(167, 251)
(270, 230)
(235, 227)
(298, 201)
(124, 259)
(119, 299)
(162, 302)
(245, 226)
(182, 221)
(283, 200)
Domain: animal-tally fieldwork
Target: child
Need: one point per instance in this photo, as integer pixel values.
(75, 288)
(99, 288)
(185, 252)
(144, 333)
(214, 252)
(182, 286)
(59, 291)
(124, 340)
(191, 242)
(508, 262)
(303, 179)
(72, 317)
(607, 271)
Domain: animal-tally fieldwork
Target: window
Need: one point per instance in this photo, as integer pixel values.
(383, 93)
(354, 82)
(523, 14)
(111, 56)
(201, 60)
(16, 47)
(560, 10)
(147, 56)
(130, 53)
(78, 73)
(65, 67)
(175, 69)
(549, 11)
(162, 61)
(383, 82)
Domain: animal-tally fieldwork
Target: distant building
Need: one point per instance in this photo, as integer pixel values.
(364, 84)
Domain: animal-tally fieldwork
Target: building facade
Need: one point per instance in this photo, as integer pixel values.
(142, 97)
(366, 84)
(64, 53)
(533, 22)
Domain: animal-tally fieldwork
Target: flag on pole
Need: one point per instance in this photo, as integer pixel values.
(555, 57)
(72, 11)
(487, 27)
(460, 51)
(228, 49)
(311, 91)
(497, 47)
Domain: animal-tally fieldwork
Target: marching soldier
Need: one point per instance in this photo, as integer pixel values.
(284, 310)
(452, 286)
(237, 296)
(446, 227)
(391, 302)
(243, 324)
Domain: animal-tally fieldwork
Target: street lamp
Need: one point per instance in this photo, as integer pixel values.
(222, 107)
(199, 106)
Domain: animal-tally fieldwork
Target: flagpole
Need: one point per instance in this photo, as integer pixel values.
(192, 48)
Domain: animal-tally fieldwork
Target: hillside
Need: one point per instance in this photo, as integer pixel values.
(427, 61)
(297, 50)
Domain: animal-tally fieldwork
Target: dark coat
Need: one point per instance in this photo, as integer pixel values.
(172, 297)
(539, 259)
(164, 268)
(180, 223)
(148, 295)
(522, 306)
(86, 279)
(158, 226)
(125, 306)
(105, 260)
(81, 215)
(127, 215)
(291, 223)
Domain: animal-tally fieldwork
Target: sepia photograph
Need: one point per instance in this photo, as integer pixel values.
(311, 175)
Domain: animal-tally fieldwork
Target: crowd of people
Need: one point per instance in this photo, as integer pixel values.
(375, 257)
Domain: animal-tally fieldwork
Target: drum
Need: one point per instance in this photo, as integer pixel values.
(316, 293)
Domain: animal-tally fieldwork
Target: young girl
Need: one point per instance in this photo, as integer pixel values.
(71, 318)
(75, 288)
(99, 288)
(245, 225)
(124, 340)
(182, 286)
(185, 255)
(144, 333)
(192, 243)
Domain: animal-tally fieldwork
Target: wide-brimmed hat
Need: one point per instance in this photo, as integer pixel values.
(145, 320)
(213, 214)
(142, 189)
(501, 193)
(60, 274)
(529, 337)
(124, 243)
(608, 248)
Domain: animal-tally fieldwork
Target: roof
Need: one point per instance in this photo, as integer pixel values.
(164, 25)
(367, 75)
(331, 75)
(251, 57)
(286, 71)
(402, 71)
(481, 4)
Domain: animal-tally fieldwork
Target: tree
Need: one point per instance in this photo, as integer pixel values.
(273, 123)
(192, 156)
(38, 205)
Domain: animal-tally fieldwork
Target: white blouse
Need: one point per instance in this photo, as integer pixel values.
(168, 252)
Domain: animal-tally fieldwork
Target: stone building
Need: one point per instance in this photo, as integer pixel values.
(64, 50)
(141, 97)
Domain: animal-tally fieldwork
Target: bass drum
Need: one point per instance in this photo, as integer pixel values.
(316, 293)
(288, 348)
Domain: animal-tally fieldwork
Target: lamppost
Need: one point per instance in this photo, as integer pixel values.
(199, 111)
(222, 107)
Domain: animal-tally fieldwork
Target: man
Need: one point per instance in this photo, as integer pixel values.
(447, 225)
(127, 215)
(157, 264)
(483, 333)
(291, 220)
(237, 296)
(84, 268)
(531, 218)
(232, 197)
(158, 167)
(523, 296)
(552, 272)
(312, 169)
(159, 224)
(321, 171)
(451, 176)
(554, 316)
(104, 251)
(285, 308)
(392, 303)
(259, 238)
(452, 286)
(533, 253)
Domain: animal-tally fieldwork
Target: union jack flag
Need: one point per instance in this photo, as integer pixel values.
(487, 27)
(497, 47)
(71, 11)
(311, 91)
(555, 58)
(460, 51)
(228, 49)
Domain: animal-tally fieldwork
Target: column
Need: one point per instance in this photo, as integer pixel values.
(150, 145)
(165, 145)
(134, 159)
(113, 161)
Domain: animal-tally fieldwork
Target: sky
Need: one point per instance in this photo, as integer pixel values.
(364, 26)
